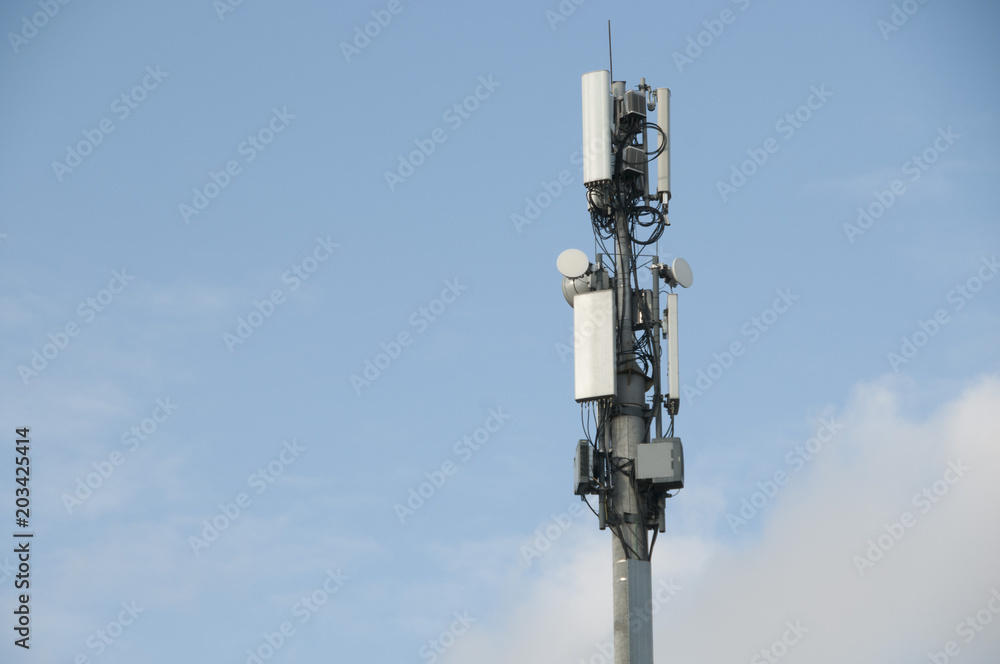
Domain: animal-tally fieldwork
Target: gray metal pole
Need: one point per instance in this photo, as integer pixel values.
(632, 589)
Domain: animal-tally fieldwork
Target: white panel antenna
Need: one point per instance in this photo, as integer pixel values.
(674, 378)
(597, 121)
(594, 352)
(663, 161)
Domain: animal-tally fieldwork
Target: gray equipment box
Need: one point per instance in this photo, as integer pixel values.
(583, 468)
(633, 160)
(661, 461)
(634, 105)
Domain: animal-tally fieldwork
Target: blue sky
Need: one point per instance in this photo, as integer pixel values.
(306, 252)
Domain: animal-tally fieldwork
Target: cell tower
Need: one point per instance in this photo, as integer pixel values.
(617, 328)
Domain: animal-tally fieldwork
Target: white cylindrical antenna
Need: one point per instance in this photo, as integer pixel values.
(663, 161)
(597, 105)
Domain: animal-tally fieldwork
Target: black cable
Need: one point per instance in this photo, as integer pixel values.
(635, 489)
(621, 538)
(619, 519)
(662, 147)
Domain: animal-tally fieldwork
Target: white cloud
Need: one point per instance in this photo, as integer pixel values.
(738, 594)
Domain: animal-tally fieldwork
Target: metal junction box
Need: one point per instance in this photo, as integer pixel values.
(661, 461)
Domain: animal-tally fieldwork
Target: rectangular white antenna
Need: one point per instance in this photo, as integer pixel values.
(674, 380)
(663, 161)
(597, 112)
(594, 352)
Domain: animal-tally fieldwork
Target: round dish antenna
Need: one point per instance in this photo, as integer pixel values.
(573, 263)
(680, 273)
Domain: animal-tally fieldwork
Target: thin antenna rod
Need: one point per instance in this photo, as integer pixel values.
(611, 62)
